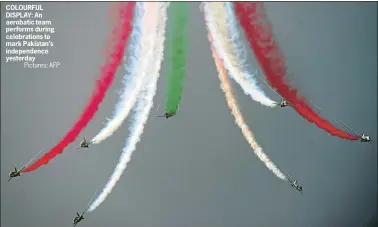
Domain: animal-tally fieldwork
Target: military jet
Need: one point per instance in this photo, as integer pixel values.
(365, 138)
(83, 144)
(166, 114)
(17, 173)
(294, 183)
(79, 217)
(285, 103)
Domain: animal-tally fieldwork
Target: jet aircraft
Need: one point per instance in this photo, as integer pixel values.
(294, 184)
(285, 103)
(17, 173)
(83, 144)
(166, 114)
(79, 217)
(365, 138)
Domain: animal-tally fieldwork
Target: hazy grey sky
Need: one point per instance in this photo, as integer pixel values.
(196, 169)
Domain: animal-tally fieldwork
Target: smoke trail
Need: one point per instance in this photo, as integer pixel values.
(142, 110)
(133, 80)
(177, 37)
(226, 40)
(239, 119)
(259, 33)
(116, 46)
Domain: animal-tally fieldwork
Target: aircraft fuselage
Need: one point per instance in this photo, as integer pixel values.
(77, 220)
(14, 174)
(365, 138)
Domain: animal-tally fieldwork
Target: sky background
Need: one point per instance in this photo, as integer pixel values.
(196, 169)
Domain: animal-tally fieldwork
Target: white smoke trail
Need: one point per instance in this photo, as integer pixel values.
(143, 39)
(239, 119)
(142, 109)
(221, 23)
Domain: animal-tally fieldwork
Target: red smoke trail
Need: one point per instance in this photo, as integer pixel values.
(116, 46)
(258, 31)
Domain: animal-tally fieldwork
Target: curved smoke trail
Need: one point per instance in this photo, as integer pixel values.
(142, 110)
(133, 80)
(115, 49)
(239, 119)
(226, 40)
(258, 30)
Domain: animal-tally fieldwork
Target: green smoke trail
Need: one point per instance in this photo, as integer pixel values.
(177, 54)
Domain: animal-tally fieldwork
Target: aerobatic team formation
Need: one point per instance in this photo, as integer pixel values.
(141, 27)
